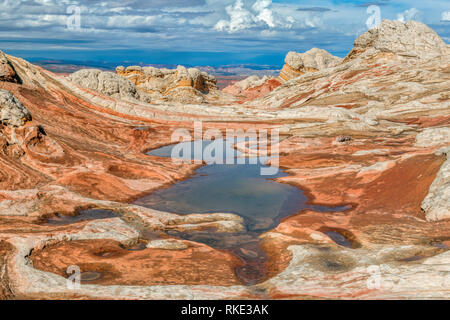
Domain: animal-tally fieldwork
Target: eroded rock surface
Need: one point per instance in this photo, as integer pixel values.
(12, 111)
(410, 39)
(7, 72)
(313, 60)
(437, 203)
(368, 135)
(186, 85)
(252, 87)
(105, 82)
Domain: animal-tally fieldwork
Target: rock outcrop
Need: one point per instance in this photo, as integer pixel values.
(313, 60)
(411, 39)
(178, 85)
(7, 72)
(367, 137)
(12, 111)
(105, 82)
(437, 203)
(252, 87)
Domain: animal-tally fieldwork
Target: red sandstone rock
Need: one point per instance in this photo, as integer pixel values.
(252, 87)
(84, 149)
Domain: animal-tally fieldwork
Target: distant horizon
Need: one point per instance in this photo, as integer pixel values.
(197, 59)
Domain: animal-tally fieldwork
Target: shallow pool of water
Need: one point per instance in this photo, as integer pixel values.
(230, 188)
(85, 215)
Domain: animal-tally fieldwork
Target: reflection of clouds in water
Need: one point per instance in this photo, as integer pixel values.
(217, 151)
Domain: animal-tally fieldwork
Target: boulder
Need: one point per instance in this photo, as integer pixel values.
(12, 111)
(410, 39)
(313, 60)
(7, 72)
(105, 82)
(181, 84)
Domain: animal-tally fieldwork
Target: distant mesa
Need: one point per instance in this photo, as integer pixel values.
(297, 64)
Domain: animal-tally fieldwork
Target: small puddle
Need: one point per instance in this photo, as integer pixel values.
(413, 258)
(89, 276)
(85, 215)
(135, 247)
(339, 238)
(232, 188)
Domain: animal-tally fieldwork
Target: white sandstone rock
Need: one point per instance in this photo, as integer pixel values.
(12, 111)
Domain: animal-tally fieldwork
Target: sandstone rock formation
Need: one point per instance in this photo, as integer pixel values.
(7, 72)
(105, 82)
(179, 85)
(437, 203)
(313, 60)
(252, 87)
(368, 137)
(12, 111)
(410, 39)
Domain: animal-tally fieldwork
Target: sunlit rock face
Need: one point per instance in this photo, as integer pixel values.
(105, 82)
(313, 60)
(7, 72)
(179, 85)
(411, 39)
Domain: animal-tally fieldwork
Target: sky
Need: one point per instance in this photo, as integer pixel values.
(199, 32)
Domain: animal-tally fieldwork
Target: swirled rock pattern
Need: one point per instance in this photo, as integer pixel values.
(252, 87)
(368, 135)
(185, 85)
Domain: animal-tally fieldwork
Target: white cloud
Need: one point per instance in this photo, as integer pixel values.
(411, 14)
(216, 25)
(445, 16)
(240, 18)
(265, 14)
(260, 15)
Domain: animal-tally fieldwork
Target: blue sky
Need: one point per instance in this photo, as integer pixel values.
(197, 32)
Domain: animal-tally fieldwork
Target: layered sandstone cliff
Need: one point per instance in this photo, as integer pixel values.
(186, 85)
